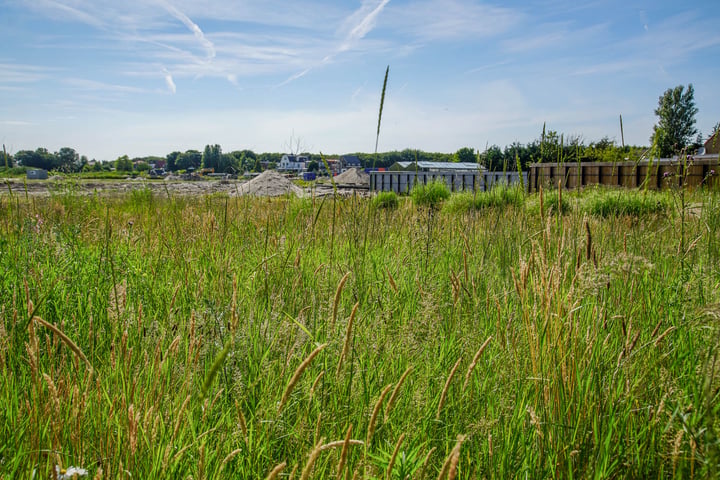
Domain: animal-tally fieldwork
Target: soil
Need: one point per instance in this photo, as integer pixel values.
(267, 184)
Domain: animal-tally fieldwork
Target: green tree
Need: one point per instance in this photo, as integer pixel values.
(142, 166)
(465, 155)
(493, 158)
(39, 158)
(212, 155)
(171, 159)
(189, 159)
(67, 160)
(313, 166)
(123, 164)
(676, 121)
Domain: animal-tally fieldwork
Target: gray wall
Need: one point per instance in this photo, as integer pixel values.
(402, 182)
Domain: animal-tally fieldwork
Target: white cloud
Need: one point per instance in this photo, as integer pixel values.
(453, 19)
(170, 82)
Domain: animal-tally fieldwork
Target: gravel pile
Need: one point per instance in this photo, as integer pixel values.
(353, 176)
(270, 184)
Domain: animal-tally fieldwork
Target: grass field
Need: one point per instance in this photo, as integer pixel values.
(147, 336)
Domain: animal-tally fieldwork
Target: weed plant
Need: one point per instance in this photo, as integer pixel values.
(606, 203)
(385, 200)
(430, 194)
(214, 337)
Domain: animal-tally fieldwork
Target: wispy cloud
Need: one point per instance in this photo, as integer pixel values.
(193, 27)
(22, 73)
(170, 82)
(358, 25)
(453, 19)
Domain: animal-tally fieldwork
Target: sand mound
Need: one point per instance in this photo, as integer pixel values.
(270, 184)
(353, 176)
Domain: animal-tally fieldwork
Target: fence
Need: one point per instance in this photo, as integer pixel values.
(403, 182)
(653, 174)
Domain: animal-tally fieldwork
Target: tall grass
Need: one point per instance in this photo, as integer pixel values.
(222, 345)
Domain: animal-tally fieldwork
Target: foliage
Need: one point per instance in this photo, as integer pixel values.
(501, 196)
(605, 203)
(156, 337)
(431, 194)
(212, 156)
(124, 164)
(676, 121)
(385, 200)
(188, 159)
(465, 154)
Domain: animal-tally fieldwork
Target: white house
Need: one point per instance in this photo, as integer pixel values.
(293, 163)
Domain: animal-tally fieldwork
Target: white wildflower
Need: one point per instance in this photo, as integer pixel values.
(71, 473)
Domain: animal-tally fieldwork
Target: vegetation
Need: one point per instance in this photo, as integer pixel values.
(385, 200)
(430, 194)
(675, 129)
(215, 337)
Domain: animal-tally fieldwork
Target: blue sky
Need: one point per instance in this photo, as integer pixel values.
(146, 77)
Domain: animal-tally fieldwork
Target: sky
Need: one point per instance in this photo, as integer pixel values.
(148, 77)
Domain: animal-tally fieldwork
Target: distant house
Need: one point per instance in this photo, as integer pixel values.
(350, 161)
(37, 174)
(293, 163)
(436, 167)
(713, 143)
(334, 164)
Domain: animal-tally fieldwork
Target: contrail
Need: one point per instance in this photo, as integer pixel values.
(357, 33)
(192, 26)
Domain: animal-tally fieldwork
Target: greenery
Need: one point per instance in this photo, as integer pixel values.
(430, 194)
(675, 129)
(385, 200)
(618, 203)
(214, 337)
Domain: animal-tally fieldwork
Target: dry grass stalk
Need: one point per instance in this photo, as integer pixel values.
(229, 457)
(376, 411)
(391, 280)
(421, 470)
(276, 471)
(391, 463)
(296, 376)
(449, 468)
(664, 334)
(474, 362)
(180, 415)
(344, 453)
(348, 335)
(66, 340)
(315, 384)
(311, 460)
(443, 395)
(317, 428)
(340, 443)
(336, 300)
(396, 392)
(241, 421)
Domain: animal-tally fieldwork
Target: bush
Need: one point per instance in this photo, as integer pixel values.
(431, 194)
(387, 200)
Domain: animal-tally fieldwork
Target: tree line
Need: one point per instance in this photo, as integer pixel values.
(675, 133)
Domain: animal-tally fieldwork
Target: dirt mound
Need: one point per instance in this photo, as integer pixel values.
(353, 176)
(270, 184)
